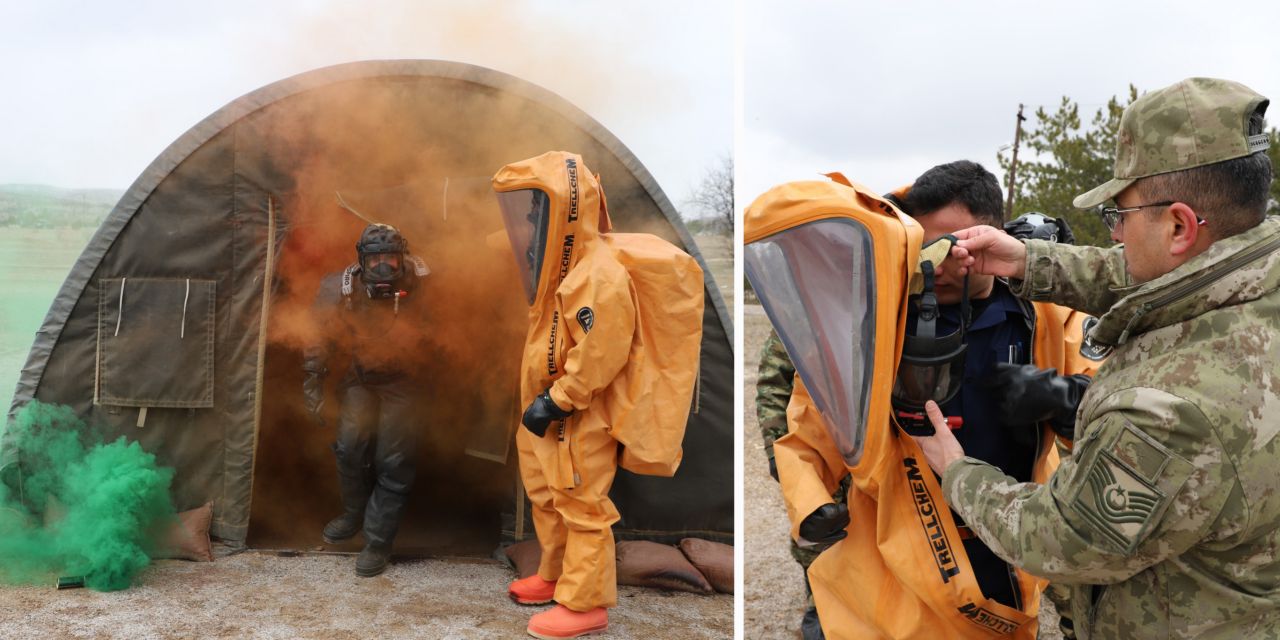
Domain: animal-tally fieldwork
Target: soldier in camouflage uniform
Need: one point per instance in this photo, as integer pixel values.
(773, 392)
(1166, 518)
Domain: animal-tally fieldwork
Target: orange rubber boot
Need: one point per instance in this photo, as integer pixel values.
(562, 622)
(532, 590)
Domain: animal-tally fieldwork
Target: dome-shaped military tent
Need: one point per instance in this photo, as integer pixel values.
(181, 324)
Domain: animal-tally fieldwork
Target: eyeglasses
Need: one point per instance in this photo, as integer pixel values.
(1111, 215)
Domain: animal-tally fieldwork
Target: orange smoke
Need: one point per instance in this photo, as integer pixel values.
(582, 59)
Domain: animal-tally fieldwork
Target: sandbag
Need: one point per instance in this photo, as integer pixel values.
(649, 564)
(524, 557)
(188, 537)
(714, 560)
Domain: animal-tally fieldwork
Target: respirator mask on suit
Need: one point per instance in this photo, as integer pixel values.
(382, 255)
(931, 366)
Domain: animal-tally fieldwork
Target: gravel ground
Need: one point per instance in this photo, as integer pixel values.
(774, 583)
(260, 595)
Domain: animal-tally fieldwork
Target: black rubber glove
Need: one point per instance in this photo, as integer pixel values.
(541, 413)
(313, 396)
(826, 525)
(1029, 396)
(1065, 236)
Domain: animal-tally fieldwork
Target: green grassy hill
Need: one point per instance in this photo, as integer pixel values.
(43, 229)
(35, 206)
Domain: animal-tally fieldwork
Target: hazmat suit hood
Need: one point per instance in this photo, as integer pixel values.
(832, 263)
(552, 206)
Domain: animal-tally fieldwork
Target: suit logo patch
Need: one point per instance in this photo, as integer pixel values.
(566, 256)
(572, 166)
(931, 521)
(586, 318)
(551, 344)
(988, 620)
(1090, 349)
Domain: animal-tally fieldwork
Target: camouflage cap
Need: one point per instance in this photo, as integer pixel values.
(1192, 123)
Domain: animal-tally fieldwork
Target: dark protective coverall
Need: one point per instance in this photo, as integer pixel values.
(378, 421)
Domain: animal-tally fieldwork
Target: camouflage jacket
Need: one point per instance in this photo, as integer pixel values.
(1165, 521)
(773, 391)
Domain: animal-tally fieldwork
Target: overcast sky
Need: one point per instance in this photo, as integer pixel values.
(94, 91)
(882, 91)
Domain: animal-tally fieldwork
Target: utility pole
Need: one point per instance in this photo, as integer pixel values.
(1013, 167)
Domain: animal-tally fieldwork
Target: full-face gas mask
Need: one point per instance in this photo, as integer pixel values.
(526, 213)
(931, 366)
(382, 255)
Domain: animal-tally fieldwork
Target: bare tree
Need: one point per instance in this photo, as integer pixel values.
(713, 197)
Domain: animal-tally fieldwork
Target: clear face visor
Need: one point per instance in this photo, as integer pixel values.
(817, 284)
(526, 214)
(381, 267)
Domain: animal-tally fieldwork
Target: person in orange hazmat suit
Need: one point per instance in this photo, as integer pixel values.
(596, 373)
(837, 267)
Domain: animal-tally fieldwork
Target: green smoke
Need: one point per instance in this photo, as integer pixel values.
(74, 505)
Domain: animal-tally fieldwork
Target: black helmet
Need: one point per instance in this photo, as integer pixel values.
(1037, 226)
(382, 253)
(381, 238)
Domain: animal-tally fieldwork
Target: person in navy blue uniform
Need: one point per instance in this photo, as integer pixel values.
(992, 428)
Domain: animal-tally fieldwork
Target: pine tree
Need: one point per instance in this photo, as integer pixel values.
(1066, 160)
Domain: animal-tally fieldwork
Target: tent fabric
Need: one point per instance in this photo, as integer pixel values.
(197, 238)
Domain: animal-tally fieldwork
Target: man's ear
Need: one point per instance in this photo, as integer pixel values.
(1187, 229)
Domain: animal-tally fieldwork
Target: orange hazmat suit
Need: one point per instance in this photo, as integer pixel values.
(901, 572)
(624, 363)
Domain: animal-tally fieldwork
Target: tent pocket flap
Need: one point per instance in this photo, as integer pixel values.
(155, 342)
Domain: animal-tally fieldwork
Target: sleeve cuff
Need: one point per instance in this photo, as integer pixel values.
(1037, 280)
(558, 397)
(803, 496)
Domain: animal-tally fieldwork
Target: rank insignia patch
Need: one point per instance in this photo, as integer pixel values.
(1127, 486)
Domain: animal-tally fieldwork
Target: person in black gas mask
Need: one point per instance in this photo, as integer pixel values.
(374, 313)
(971, 346)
